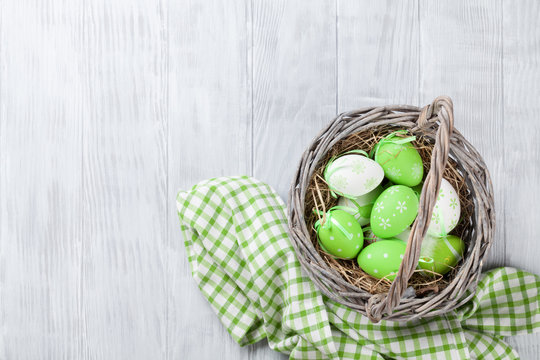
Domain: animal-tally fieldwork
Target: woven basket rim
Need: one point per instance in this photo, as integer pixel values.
(434, 121)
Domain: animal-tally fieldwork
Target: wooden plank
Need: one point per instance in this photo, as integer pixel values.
(294, 83)
(461, 56)
(209, 106)
(41, 117)
(378, 53)
(521, 38)
(125, 179)
(521, 133)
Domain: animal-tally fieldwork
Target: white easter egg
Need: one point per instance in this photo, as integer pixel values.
(353, 175)
(360, 207)
(404, 236)
(446, 212)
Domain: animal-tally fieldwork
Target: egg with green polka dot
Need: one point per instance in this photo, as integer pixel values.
(339, 234)
(394, 210)
(382, 258)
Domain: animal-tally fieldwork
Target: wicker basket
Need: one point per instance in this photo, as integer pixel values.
(434, 122)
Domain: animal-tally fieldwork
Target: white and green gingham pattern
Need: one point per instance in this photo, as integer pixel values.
(235, 233)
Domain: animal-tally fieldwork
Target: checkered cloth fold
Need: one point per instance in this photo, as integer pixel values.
(236, 237)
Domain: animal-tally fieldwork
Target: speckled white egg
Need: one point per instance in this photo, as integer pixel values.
(446, 212)
(353, 175)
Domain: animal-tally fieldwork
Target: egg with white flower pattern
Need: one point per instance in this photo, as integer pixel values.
(401, 162)
(340, 234)
(360, 207)
(353, 175)
(446, 212)
(382, 258)
(394, 210)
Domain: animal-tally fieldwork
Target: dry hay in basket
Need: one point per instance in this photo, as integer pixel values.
(318, 196)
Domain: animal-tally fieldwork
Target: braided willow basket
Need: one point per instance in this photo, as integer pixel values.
(435, 123)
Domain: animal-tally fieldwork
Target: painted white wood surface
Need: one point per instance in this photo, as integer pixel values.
(209, 121)
(521, 71)
(461, 56)
(107, 108)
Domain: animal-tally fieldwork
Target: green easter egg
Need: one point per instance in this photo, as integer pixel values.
(382, 258)
(401, 163)
(418, 189)
(360, 207)
(440, 255)
(404, 235)
(394, 210)
(340, 235)
(370, 237)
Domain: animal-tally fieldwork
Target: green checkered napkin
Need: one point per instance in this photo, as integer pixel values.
(235, 232)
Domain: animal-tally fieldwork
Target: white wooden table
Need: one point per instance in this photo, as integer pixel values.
(108, 107)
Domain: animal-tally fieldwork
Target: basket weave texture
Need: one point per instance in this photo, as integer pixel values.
(434, 122)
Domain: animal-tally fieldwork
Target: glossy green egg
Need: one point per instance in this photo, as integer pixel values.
(401, 163)
(440, 255)
(340, 235)
(394, 210)
(382, 258)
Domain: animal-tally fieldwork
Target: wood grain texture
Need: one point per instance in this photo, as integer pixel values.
(461, 56)
(209, 110)
(123, 286)
(378, 53)
(521, 65)
(41, 118)
(108, 108)
(294, 83)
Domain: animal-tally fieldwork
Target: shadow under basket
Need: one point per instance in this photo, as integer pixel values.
(445, 154)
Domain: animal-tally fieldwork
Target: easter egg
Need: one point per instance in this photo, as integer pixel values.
(440, 255)
(360, 207)
(418, 189)
(394, 210)
(446, 212)
(353, 175)
(404, 235)
(401, 162)
(382, 258)
(370, 237)
(340, 234)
